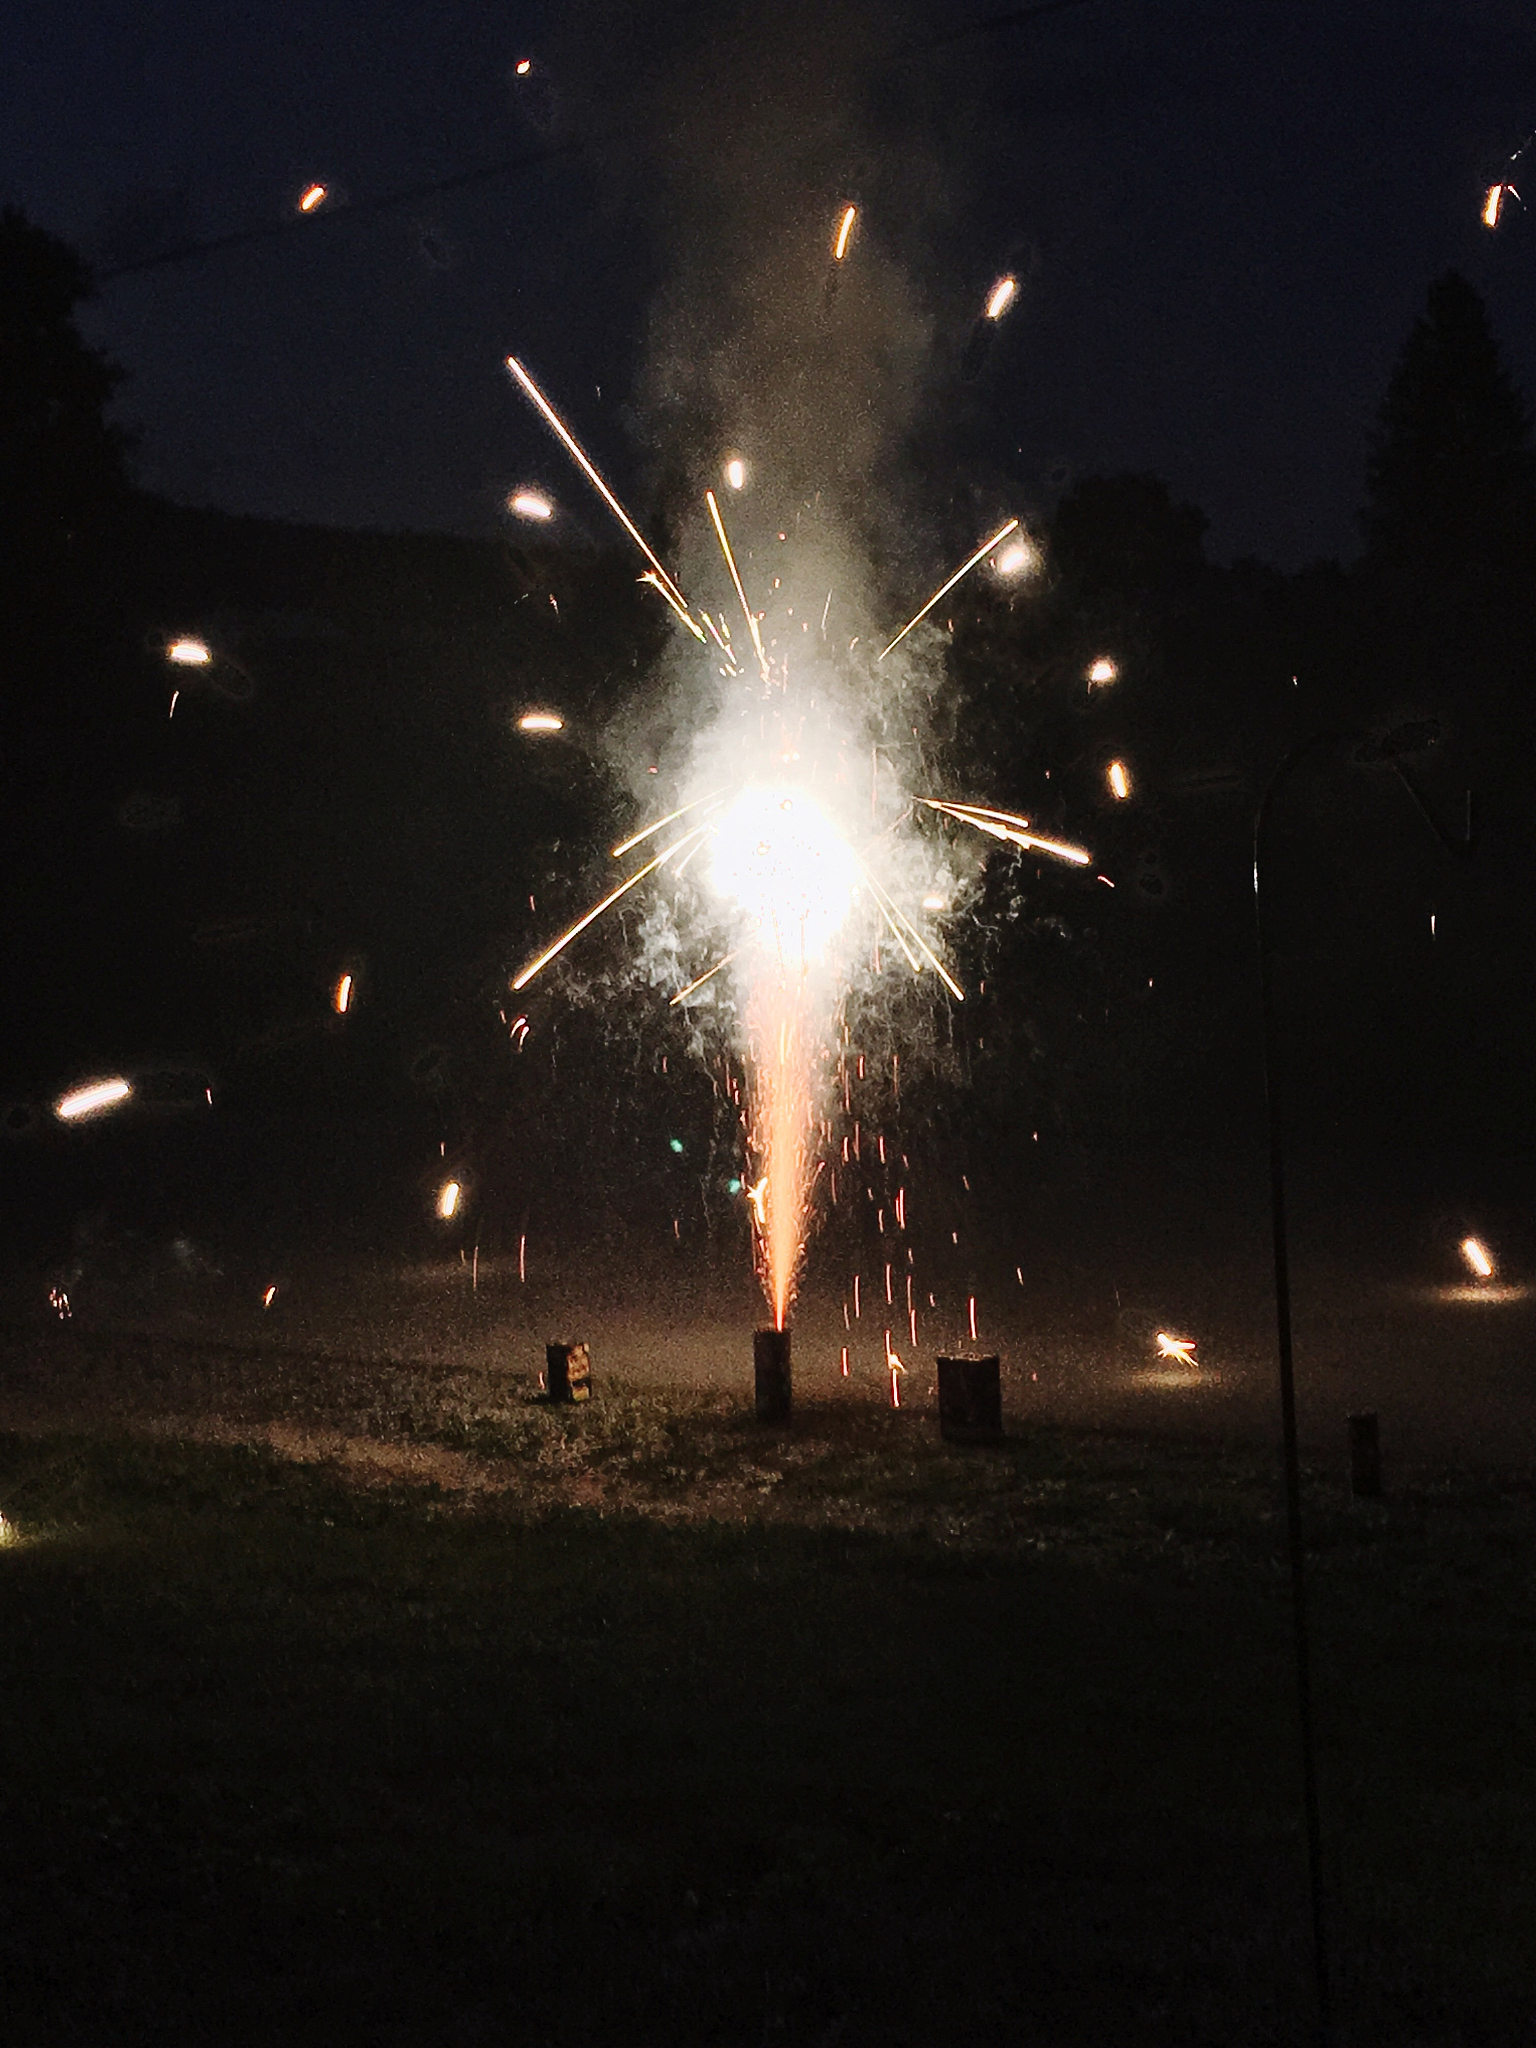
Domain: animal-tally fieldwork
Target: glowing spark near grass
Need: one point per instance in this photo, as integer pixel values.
(736, 473)
(341, 996)
(522, 979)
(189, 653)
(1004, 825)
(530, 505)
(92, 1099)
(1103, 670)
(541, 721)
(1003, 295)
(578, 455)
(730, 563)
(314, 197)
(448, 1200)
(1119, 780)
(699, 980)
(1476, 1256)
(844, 230)
(639, 838)
(1180, 1349)
(964, 569)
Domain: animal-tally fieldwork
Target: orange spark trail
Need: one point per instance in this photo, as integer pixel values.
(573, 446)
(730, 563)
(964, 569)
(526, 975)
(779, 1135)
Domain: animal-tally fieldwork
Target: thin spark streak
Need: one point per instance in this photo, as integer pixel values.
(699, 983)
(964, 570)
(893, 911)
(574, 448)
(730, 563)
(656, 584)
(670, 819)
(844, 230)
(1077, 855)
(522, 980)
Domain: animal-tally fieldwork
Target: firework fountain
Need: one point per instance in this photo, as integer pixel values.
(803, 858)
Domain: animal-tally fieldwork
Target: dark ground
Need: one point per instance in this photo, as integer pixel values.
(355, 1696)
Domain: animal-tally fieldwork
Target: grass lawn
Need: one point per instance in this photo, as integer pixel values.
(833, 1735)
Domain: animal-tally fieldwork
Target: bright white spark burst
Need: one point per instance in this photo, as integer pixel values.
(1181, 1350)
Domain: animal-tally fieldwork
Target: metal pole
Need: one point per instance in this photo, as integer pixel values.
(1301, 1642)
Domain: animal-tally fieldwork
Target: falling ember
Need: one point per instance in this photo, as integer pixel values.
(730, 563)
(971, 1314)
(1180, 1349)
(189, 653)
(269, 1297)
(448, 1200)
(1492, 206)
(523, 66)
(541, 721)
(530, 505)
(1103, 670)
(844, 230)
(1476, 1256)
(1002, 297)
(314, 197)
(895, 1368)
(736, 473)
(943, 590)
(92, 1099)
(845, 1361)
(1119, 780)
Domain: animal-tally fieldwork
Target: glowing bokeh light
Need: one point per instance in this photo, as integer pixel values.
(530, 505)
(541, 721)
(448, 1196)
(1476, 1255)
(92, 1099)
(189, 653)
(844, 231)
(314, 197)
(1180, 1349)
(341, 996)
(523, 66)
(1014, 559)
(736, 473)
(1003, 295)
(1492, 206)
(1103, 670)
(1119, 780)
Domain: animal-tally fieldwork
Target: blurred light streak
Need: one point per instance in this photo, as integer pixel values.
(638, 838)
(448, 1199)
(530, 505)
(541, 721)
(730, 563)
(944, 588)
(313, 197)
(1002, 297)
(844, 230)
(543, 959)
(736, 473)
(1476, 1256)
(341, 996)
(92, 1099)
(189, 653)
(1103, 670)
(700, 980)
(578, 454)
(1119, 780)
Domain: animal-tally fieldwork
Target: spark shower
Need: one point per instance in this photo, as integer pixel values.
(802, 856)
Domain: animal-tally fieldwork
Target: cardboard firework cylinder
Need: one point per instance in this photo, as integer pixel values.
(567, 1372)
(970, 1400)
(1365, 1455)
(770, 1370)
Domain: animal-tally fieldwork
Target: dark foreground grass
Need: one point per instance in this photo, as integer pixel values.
(292, 1760)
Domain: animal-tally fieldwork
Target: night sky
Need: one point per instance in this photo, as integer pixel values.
(1224, 219)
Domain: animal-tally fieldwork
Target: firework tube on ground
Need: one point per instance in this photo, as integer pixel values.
(771, 1375)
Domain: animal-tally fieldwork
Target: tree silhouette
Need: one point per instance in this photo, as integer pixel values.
(1451, 512)
(62, 463)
